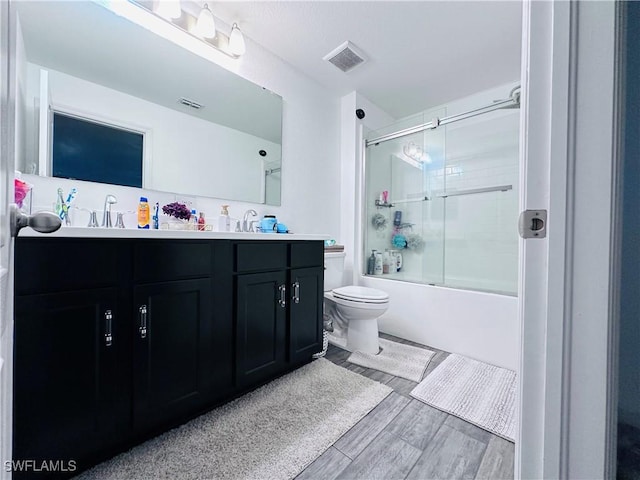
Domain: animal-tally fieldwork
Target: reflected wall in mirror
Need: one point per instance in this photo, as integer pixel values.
(206, 131)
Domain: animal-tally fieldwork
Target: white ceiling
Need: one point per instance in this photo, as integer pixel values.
(421, 53)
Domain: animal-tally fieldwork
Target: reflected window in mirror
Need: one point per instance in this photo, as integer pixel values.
(84, 149)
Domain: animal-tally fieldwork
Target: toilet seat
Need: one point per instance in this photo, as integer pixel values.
(358, 294)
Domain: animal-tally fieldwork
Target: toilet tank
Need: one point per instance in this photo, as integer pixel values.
(333, 270)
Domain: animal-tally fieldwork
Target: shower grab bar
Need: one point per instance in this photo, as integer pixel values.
(499, 188)
(410, 200)
(471, 191)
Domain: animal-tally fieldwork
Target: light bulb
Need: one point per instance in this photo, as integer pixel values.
(206, 25)
(236, 41)
(168, 9)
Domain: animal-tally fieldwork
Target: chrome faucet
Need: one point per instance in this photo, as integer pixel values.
(106, 216)
(246, 225)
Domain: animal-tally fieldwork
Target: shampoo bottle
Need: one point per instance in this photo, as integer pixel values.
(378, 266)
(201, 222)
(371, 263)
(224, 222)
(143, 213)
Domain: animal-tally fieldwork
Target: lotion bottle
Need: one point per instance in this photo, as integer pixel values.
(224, 222)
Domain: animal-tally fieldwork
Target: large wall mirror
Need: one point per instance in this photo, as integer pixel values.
(108, 100)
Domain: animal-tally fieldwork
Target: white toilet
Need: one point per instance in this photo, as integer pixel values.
(353, 310)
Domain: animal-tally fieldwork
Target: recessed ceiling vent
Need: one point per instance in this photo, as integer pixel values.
(345, 57)
(190, 103)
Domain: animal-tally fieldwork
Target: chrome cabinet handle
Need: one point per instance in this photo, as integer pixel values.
(143, 321)
(283, 295)
(108, 334)
(296, 292)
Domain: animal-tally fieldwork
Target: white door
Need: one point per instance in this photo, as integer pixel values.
(7, 162)
(569, 167)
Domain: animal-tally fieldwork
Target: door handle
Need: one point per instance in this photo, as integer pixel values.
(108, 336)
(296, 292)
(43, 222)
(143, 321)
(283, 295)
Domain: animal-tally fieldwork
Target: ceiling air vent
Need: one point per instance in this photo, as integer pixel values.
(345, 57)
(190, 103)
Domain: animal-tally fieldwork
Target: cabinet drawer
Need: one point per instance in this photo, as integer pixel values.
(49, 265)
(306, 254)
(157, 261)
(261, 256)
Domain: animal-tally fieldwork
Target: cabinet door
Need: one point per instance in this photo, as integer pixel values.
(260, 328)
(305, 313)
(173, 323)
(70, 392)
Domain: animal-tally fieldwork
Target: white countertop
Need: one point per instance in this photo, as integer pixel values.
(86, 232)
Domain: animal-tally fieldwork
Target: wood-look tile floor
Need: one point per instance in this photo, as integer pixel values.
(403, 438)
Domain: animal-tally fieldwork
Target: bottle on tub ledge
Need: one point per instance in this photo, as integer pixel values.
(201, 222)
(378, 268)
(224, 221)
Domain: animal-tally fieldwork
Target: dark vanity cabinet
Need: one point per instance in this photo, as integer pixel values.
(71, 383)
(306, 280)
(278, 307)
(173, 323)
(117, 340)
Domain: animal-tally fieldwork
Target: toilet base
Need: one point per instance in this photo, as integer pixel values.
(362, 336)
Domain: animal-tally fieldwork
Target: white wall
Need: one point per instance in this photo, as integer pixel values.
(310, 156)
(350, 171)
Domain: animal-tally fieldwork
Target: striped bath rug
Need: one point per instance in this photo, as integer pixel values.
(477, 392)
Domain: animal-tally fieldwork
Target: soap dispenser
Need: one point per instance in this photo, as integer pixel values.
(224, 222)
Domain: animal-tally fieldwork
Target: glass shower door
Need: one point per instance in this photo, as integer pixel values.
(481, 203)
(446, 199)
(404, 222)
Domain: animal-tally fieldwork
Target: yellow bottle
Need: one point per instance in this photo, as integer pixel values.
(143, 213)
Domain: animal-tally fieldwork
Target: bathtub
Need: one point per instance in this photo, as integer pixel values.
(480, 325)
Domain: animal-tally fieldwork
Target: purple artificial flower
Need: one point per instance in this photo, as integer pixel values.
(178, 210)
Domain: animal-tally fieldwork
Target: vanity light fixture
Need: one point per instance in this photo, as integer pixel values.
(195, 31)
(206, 25)
(168, 9)
(236, 41)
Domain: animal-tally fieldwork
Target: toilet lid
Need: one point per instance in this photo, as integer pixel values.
(361, 294)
